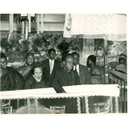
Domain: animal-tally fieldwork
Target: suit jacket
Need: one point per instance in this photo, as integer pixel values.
(84, 74)
(49, 77)
(61, 79)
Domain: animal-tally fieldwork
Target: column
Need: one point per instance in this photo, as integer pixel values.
(10, 23)
(38, 23)
(22, 27)
(26, 30)
(29, 22)
(42, 23)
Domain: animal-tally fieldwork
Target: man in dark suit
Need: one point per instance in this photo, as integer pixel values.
(82, 70)
(66, 77)
(50, 67)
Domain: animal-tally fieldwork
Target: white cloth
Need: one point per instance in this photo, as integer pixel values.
(77, 68)
(108, 26)
(51, 63)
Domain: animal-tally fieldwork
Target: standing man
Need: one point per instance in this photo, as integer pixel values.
(50, 67)
(82, 70)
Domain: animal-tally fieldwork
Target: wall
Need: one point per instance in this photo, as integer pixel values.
(52, 22)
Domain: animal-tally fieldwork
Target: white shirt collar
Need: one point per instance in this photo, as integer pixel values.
(77, 68)
(51, 60)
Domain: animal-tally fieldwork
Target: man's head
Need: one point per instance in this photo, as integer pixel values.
(3, 61)
(51, 53)
(76, 58)
(30, 59)
(91, 60)
(122, 59)
(68, 62)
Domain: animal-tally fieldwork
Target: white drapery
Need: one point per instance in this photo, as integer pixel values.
(107, 26)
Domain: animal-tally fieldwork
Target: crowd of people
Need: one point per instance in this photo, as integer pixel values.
(49, 73)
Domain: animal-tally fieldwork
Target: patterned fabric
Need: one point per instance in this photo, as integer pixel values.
(96, 77)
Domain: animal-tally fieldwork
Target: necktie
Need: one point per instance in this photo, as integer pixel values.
(51, 67)
(75, 69)
(69, 78)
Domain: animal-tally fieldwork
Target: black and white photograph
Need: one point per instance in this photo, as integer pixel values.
(63, 63)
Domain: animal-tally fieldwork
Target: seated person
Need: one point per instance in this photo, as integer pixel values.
(96, 77)
(65, 76)
(10, 78)
(121, 68)
(36, 78)
(29, 62)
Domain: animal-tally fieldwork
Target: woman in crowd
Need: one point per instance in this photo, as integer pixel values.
(96, 77)
(29, 62)
(35, 78)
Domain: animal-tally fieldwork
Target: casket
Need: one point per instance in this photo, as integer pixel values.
(85, 98)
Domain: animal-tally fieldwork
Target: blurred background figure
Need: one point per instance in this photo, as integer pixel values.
(10, 79)
(96, 77)
(121, 68)
(122, 64)
(27, 67)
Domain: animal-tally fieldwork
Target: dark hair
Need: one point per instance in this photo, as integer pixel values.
(122, 60)
(28, 54)
(65, 56)
(36, 65)
(3, 56)
(50, 50)
(92, 58)
(75, 53)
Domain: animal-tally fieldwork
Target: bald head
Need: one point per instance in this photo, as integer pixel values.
(68, 62)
